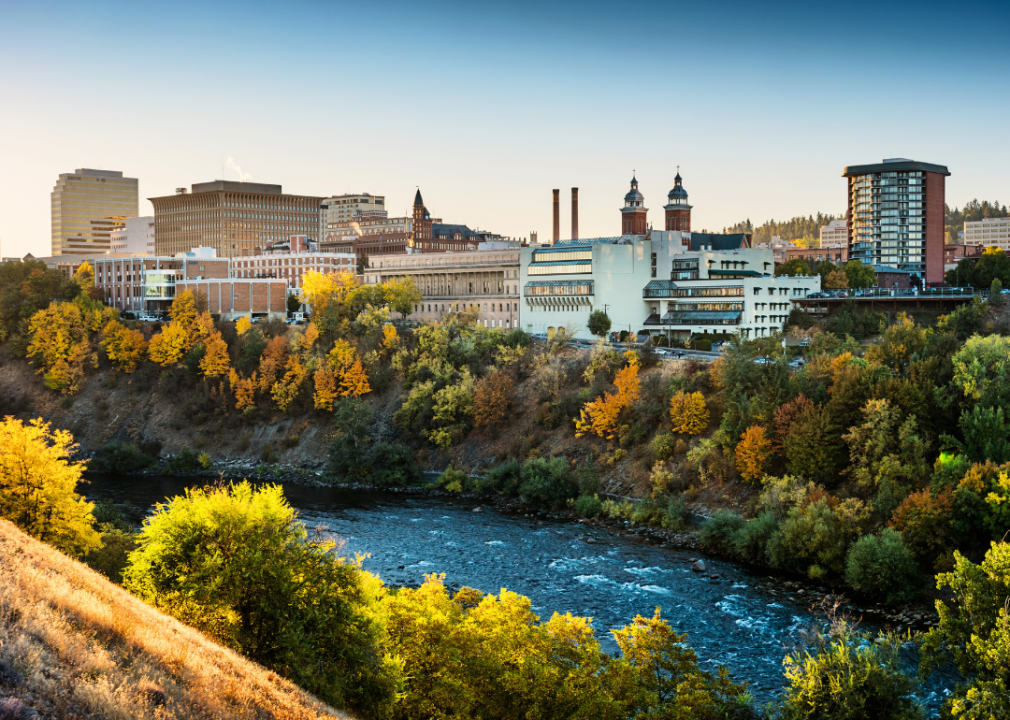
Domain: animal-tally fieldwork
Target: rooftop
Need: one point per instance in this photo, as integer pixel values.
(895, 165)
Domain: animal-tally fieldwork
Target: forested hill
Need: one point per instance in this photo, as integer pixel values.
(806, 229)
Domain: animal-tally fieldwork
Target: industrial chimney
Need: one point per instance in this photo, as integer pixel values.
(557, 217)
(575, 213)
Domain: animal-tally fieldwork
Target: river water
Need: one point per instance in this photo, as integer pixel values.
(738, 620)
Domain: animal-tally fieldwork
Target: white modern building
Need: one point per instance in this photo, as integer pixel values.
(671, 283)
(136, 237)
(992, 231)
(835, 232)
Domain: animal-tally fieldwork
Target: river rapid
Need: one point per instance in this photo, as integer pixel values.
(740, 618)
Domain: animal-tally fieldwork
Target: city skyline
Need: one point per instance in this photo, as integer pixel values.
(489, 109)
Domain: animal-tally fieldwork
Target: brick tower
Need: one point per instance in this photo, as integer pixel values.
(422, 219)
(678, 212)
(633, 213)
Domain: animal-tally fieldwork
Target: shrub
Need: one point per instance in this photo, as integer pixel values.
(663, 446)
(588, 506)
(848, 675)
(550, 482)
(503, 479)
(623, 510)
(452, 480)
(150, 447)
(720, 530)
(393, 464)
(925, 521)
(119, 457)
(689, 413)
(267, 455)
(883, 566)
(492, 399)
(753, 539)
(290, 441)
(205, 461)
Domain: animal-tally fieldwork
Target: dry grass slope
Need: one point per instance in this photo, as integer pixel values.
(74, 645)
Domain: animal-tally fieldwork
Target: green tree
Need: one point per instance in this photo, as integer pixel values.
(38, 487)
(236, 563)
(792, 267)
(859, 275)
(294, 304)
(811, 447)
(982, 371)
(598, 323)
(402, 296)
(350, 438)
(974, 632)
(848, 676)
(882, 565)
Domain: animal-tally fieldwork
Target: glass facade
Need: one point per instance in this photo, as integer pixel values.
(87, 206)
(889, 219)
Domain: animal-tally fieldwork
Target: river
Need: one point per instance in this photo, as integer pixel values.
(738, 619)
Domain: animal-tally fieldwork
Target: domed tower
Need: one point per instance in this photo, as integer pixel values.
(634, 211)
(678, 211)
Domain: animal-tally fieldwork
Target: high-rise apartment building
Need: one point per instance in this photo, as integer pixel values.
(136, 237)
(991, 231)
(87, 205)
(234, 218)
(896, 213)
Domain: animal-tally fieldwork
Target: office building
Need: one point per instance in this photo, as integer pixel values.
(486, 278)
(136, 237)
(341, 209)
(231, 217)
(834, 233)
(87, 206)
(659, 282)
(292, 266)
(953, 253)
(896, 217)
(991, 231)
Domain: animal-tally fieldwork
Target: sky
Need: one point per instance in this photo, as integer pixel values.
(488, 106)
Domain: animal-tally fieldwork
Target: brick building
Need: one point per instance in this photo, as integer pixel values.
(292, 266)
(835, 253)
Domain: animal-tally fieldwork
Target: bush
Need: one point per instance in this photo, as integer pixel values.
(290, 441)
(550, 482)
(267, 455)
(119, 457)
(587, 506)
(753, 539)
(623, 510)
(883, 566)
(186, 461)
(453, 480)
(150, 447)
(503, 479)
(588, 477)
(205, 461)
(663, 445)
(394, 464)
(720, 530)
(848, 676)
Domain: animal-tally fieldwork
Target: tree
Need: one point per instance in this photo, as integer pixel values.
(752, 453)
(125, 347)
(792, 267)
(243, 324)
(925, 520)
(882, 565)
(221, 558)
(598, 323)
(285, 391)
(244, 390)
(982, 371)
(170, 345)
(60, 343)
(38, 487)
(85, 276)
(320, 291)
(899, 343)
(848, 676)
(836, 280)
(811, 447)
(183, 310)
(689, 413)
(600, 415)
(215, 360)
(326, 389)
(784, 416)
(974, 633)
(492, 399)
(350, 374)
(402, 296)
(293, 304)
(860, 276)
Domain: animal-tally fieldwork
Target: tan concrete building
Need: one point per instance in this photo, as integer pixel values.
(487, 278)
(231, 217)
(87, 206)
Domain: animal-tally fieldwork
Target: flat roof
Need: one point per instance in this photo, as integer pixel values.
(895, 166)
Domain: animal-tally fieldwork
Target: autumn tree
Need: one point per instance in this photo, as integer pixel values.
(492, 399)
(215, 361)
(925, 520)
(349, 373)
(689, 413)
(244, 390)
(285, 391)
(752, 453)
(784, 416)
(402, 296)
(125, 346)
(60, 344)
(183, 310)
(601, 415)
(836, 280)
(85, 276)
(322, 290)
(390, 338)
(325, 389)
(242, 325)
(273, 361)
(170, 345)
(38, 484)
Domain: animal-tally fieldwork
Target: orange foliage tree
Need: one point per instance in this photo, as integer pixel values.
(125, 347)
(689, 413)
(244, 389)
(285, 390)
(785, 415)
(275, 359)
(926, 522)
(170, 345)
(347, 370)
(492, 399)
(752, 453)
(326, 389)
(600, 416)
(215, 360)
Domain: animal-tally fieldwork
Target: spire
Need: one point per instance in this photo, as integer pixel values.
(417, 198)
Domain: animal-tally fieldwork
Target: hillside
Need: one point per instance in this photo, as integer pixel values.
(74, 645)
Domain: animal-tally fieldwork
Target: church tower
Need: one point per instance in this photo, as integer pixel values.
(422, 223)
(634, 211)
(678, 212)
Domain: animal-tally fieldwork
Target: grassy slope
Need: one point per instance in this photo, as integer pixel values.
(85, 648)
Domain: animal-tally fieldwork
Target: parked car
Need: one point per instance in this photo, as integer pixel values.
(149, 318)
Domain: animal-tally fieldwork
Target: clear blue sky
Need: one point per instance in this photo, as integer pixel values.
(488, 106)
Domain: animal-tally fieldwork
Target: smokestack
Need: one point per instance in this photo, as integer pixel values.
(575, 213)
(557, 217)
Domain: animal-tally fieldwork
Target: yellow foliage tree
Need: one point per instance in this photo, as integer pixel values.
(243, 325)
(59, 343)
(326, 389)
(38, 483)
(390, 338)
(125, 347)
(286, 389)
(309, 338)
(215, 360)
(244, 389)
(170, 345)
(85, 276)
(320, 290)
(183, 308)
(600, 416)
(689, 413)
(752, 453)
(354, 380)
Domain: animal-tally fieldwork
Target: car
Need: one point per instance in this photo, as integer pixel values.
(149, 318)
(804, 343)
(797, 362)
